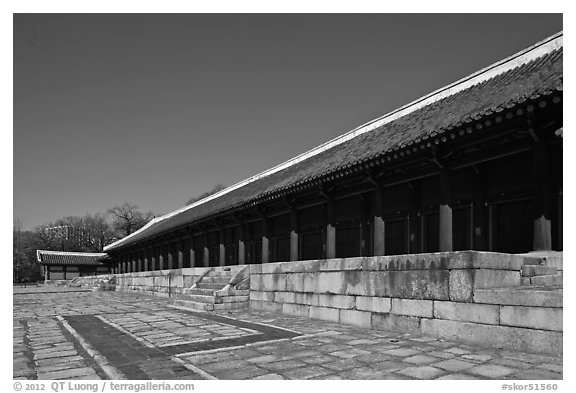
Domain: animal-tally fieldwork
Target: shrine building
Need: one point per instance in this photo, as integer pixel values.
(475, 165)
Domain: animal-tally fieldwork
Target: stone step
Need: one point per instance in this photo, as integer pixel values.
(218, 276)
(203, 285)
(235, 299)
(533, 260)
(538, 270)
(220, 273)
(546, 280)
(231, 306)
(200, 291)
(216, 280)
(193, 305)
(201, 298)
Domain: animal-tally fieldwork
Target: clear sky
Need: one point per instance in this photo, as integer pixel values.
(156, 109)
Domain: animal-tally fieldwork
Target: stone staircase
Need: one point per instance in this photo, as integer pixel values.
(218, 288)
(540, 286)
(536, 272)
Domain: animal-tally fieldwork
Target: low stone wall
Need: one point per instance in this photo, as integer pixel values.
(440, 294)
(166, 283)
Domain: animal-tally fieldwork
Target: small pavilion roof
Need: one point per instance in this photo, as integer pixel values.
(69, 258)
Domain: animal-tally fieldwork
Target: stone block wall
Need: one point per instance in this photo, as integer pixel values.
(431, 294)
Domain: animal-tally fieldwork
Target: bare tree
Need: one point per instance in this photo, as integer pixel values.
(25, 267)
(98, 232)
(127, 218)
(48, 237)
(214, 190)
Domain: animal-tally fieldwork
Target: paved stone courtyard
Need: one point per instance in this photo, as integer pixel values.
(113, 335)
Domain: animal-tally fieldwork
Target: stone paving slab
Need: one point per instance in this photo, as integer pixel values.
(140, 337)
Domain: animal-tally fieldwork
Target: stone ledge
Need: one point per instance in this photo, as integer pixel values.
(266, 306)
(396, 323)
(324, 313)
(505, 337)
(374, 304)
(532, 317)
(408, 262)
(467, 312)
(520, 297)
(356, 318)
(413, 308)
(262, 296)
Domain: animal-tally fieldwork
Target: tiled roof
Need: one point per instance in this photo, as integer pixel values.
(527, 75)
(69, 258)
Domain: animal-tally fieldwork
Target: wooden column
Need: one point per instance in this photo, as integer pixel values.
(139, 261)
(170, 254)
(241, 245)
(265, 244)
(221, 248)
(161, 257)
(146, 259)
(153, 258)
(181, 248)
(330, 230)
(191, 251)
(445, 210)
(294, 230)
(480, 234)
(414, 220)
(560, 220)
(206, 251)
(365, 236)
(378, 223)
(542, 208)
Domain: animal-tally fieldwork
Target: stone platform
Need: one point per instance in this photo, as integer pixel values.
(505, 300)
